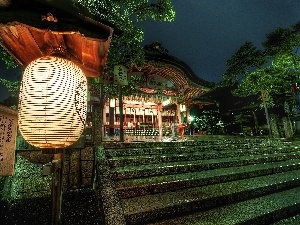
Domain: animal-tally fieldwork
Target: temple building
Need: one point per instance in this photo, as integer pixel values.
(163, 90)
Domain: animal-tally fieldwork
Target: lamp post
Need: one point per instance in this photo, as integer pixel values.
(52, 113)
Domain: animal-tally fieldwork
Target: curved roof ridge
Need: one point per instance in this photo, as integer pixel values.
(156, 52)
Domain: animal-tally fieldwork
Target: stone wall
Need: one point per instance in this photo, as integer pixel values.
(78, 168)
(29, 181)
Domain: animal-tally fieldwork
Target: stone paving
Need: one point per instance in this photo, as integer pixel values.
(191, 162)
(164, 181)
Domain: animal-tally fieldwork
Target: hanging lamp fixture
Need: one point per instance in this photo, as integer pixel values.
(52, 103)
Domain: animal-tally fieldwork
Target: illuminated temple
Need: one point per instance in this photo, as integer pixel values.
(211, 179)
(164, 90)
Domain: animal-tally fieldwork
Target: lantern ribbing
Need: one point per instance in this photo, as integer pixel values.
(52, 103)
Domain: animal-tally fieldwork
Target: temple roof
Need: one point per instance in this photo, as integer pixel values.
(163, 73)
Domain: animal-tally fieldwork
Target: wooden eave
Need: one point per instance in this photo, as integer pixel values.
(27, 33)
(186, 84)
(186, 72)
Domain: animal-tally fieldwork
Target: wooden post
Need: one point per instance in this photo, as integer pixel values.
(111, 121)
(57, 174)
(121, 114)
(264, 97)
(159, 119)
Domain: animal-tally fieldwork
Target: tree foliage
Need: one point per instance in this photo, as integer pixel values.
(281, 41)
(208, 120)
(273, 69)
(245, 59)
(7, 59)
(125, 14)
(12, 86)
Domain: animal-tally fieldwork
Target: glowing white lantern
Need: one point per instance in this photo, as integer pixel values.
(166, 102)
(112, 102)
(52, 103)
(182, 108)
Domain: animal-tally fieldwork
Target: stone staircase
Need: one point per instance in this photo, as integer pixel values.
(206, 181)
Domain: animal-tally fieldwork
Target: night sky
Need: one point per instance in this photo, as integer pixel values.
(206, 33)
(9, 74)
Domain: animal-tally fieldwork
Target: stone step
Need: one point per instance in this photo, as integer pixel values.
(293, 220)
(128, 172)
(148, 148)
(256, 211)
(143, 159)
(129, 188)
(175, 149)
(139, 210)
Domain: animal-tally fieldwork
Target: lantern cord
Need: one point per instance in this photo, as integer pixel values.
(61, 52)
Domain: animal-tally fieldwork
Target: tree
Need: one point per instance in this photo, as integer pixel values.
(125, 14)
(7, 58)
(209, 121)
(242, 119)
(282, 41)
(12, 86)
(273, 70)
(245, 59)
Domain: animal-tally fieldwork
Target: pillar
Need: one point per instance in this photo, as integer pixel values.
(104, 119)
(159, 119)
(188, 114)
(98, 118)
(178, 113)
(121, 114)
(111, 120)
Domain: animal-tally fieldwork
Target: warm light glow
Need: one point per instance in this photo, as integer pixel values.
(166, 102)
(112, 102)
(182, 108)
(52, 103)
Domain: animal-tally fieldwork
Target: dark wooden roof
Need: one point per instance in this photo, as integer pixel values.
(182, 81)
(36, 28)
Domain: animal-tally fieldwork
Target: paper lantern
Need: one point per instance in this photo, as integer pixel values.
(112, 102)
(182, 108)
(52, 103)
